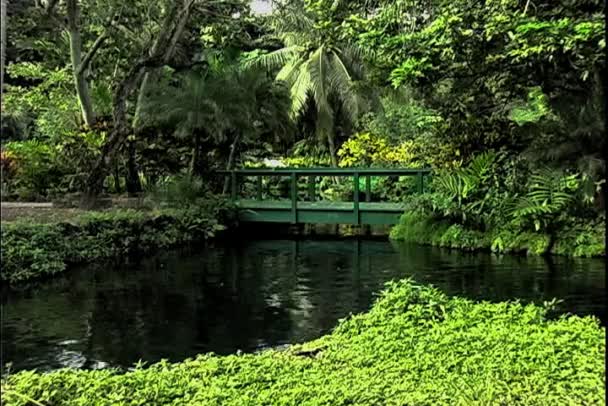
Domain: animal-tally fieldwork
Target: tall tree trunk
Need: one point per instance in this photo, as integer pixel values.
(80, 82)
(148, 76)
(3, 23)
(230, 163)
(167, 35)
(332, 151)
(117, 188)
(133, 182)
(195, 160)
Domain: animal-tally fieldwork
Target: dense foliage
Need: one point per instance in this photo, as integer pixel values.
(94, 105)
(502, 99)
(415, 346)
(34, 250)
(494, 203)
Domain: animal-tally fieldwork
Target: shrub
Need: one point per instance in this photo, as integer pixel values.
(37, 168)
(32, 250)
(415, 346)
(366, 149)
(581, 240)
(513, 210)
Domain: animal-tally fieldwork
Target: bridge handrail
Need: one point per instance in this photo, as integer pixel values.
(326, 171)
(311, 173)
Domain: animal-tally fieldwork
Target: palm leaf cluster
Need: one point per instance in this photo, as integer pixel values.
(318, 72)
(220, 103)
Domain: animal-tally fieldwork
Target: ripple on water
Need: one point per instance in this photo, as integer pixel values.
(255, 295)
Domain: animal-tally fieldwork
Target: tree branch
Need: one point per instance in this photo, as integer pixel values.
(94, 48)
(50, 6)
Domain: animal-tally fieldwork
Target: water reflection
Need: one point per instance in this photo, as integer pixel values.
(250, 295)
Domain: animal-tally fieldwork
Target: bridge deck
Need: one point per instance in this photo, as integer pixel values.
(323, 205)
(326, 212)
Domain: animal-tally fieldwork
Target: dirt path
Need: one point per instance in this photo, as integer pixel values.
(48, 212)
(39, 212)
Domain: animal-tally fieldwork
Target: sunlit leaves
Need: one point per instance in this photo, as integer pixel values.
(535, 109)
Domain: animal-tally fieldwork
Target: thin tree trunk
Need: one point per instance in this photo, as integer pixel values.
(82, 87)
(332, 155)
(230, 163)
(117, 188)
(133, 182)
(195, 159)
(332, 150)
(3, 22)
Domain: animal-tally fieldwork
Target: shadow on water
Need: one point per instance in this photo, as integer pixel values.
(248, 295)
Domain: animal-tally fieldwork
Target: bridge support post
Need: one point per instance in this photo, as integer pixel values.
(233, 188)
(294, 198)
(356, 198)
(420, 182)
(258, 187)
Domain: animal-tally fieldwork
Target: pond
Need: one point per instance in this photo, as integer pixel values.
(248, 295)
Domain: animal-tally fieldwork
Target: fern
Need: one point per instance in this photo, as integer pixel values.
(480, 166)
(549, 195)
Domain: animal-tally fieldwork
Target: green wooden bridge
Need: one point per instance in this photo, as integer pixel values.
(311, 210)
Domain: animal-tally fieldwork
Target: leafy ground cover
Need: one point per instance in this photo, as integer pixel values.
(416, 346)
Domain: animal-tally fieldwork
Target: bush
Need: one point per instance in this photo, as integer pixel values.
(36, 169)
(32, 250)
(493, 203)
(416, 347)
(581, 240)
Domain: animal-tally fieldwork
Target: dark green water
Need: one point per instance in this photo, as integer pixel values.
(254, 294)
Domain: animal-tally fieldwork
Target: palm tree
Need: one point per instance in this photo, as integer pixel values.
(225, 103)
(318, 70)
(195, 106)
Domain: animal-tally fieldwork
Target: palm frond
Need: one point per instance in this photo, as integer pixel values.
(292, 18)
(300, 90)
(340, 82)
(275, 59)
(353, 58)
(319, 71)
(290, 71)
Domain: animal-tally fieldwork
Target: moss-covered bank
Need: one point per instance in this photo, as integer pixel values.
(33, 250)
(416, 347)
(582, 240)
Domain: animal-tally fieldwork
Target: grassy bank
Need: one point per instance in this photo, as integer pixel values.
(416, 346)
(583, 240)
(35, 249)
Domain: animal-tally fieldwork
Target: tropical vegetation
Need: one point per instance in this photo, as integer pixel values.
(177, 214)
(148, 99)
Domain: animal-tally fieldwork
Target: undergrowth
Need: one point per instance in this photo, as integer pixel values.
(579, 240)
(32, 250)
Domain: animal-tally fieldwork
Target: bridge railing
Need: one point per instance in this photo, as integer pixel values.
(312, 173)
